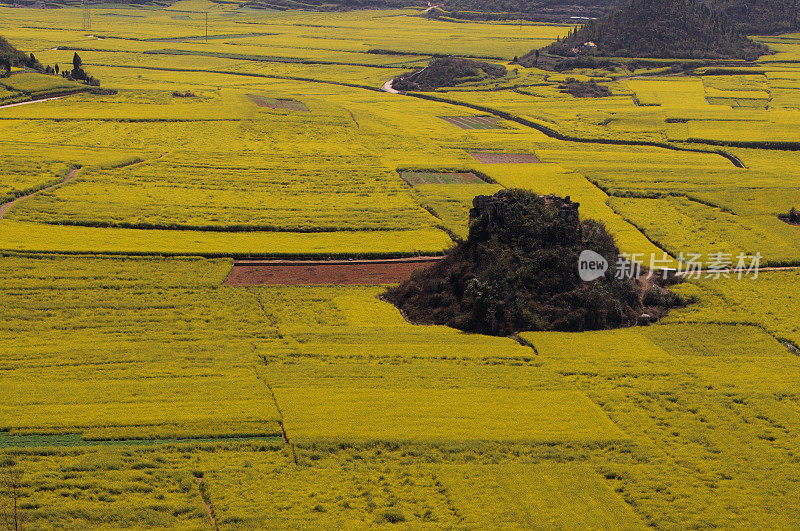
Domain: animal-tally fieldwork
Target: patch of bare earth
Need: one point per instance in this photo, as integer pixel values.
(505, 158)
(325, 272)
(473, 122)
(277, 103)
(416, 178)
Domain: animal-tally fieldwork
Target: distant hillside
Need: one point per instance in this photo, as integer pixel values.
(540, 10)
(761, 17)
(683, 29)
(447, 72)
(543, 10)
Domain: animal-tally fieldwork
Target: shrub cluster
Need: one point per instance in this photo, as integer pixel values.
(78, 73)
(584, 89)
(448, 72)
(792, 217)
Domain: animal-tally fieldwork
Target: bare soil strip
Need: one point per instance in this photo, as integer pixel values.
(506, 158)
(275, 103)
(416, 178)
(473, 122)
(325, 272)
(6, 206)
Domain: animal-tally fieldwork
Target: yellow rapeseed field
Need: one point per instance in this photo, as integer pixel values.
(138, 390)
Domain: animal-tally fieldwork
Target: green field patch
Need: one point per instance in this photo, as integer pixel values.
(278, 103)
(417, 178)
(36, 84)
(11, 96)
(473, 122)
(8, 440)
(681, 225)
(698, 397)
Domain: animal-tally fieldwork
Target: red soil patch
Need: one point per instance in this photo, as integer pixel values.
(340, 273)
(505, 158)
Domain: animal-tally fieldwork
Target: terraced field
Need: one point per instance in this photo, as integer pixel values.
(139, 389)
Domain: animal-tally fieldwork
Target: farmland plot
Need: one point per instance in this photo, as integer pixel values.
(276, 103)
(451, 203)
(143, 392)
(711, 427)
(422, 402)
(106, 367)
(684, 226)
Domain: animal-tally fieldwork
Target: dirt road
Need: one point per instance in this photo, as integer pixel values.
(6, 206)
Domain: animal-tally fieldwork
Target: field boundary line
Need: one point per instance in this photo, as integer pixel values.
(272, 391)
(243, 74)
(211, 254)
(735, 270)
(265, 58)
(206, 502)
(215, 228)
(278, 408)
(245, 262)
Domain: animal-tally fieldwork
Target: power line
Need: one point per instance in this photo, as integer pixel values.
(87, 20)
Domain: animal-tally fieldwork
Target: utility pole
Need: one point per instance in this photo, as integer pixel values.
(87, 21)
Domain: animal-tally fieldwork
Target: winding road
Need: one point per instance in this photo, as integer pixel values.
(387, 87)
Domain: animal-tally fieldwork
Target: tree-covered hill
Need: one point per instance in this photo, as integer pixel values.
(518, 271)
(683, 29)
(761, 17)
